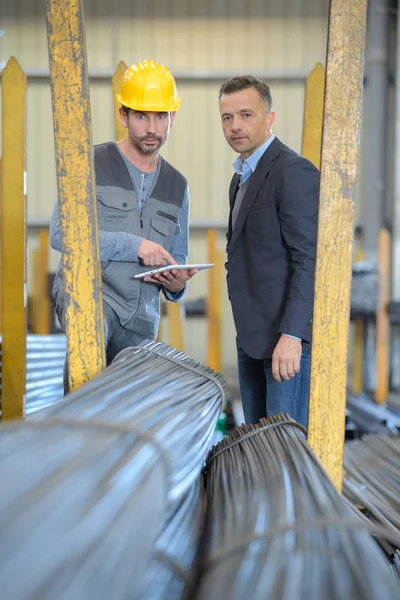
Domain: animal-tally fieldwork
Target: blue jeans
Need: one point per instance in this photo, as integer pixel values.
(262, 396)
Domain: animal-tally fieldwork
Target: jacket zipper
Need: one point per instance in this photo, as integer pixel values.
(167, 216)
(141, 210)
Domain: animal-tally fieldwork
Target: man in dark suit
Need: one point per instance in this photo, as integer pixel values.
(271, 254)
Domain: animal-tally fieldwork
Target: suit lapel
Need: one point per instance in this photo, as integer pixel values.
(233, 188)
(256, 180)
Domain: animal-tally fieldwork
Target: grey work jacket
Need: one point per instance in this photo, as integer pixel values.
(136, 303)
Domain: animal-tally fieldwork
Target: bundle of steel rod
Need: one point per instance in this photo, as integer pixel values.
(372, 480)
(393, 402)
(95, 487)
(277, 530)
(371, 417)
(395, 567)
(176, 548)
(45, 355)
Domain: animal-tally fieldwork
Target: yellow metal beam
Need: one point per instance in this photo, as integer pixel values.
(313, 115)
(358, 351)
(176, 318)
(343, 93)
(40, 318)
(34, 300)
(1, 231)
(76, 189)
(383, 318)
(43, 307)
(120, 132)
(214, 301)
(159, 332)
(218, 308)
(13, 240)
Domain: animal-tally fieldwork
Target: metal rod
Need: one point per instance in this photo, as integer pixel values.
(195, 75)
(106, 501)
(275, 525)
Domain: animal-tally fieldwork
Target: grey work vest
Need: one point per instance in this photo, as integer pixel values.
(136, 303)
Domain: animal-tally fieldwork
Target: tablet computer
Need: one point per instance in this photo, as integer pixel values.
(200, 267)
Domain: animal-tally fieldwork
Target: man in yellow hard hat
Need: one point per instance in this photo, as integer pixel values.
(143, 212)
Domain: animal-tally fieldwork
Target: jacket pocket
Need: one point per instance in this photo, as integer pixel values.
(161, 232)
(116, 213)
(170, 217)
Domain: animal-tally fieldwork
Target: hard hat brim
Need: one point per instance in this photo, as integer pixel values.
(174, 106)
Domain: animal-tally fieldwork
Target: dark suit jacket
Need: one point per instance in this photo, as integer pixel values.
(271, 252)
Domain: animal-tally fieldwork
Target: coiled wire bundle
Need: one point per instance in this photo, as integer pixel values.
(395, 567)
(176, 548)
(277, 530)
(372, 481)
(45, 355)
(94, 486)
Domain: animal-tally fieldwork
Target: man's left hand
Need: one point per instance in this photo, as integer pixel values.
(286, 358)
(173, 281)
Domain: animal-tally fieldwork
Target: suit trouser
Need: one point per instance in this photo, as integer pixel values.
(262, 396)
(116, 337)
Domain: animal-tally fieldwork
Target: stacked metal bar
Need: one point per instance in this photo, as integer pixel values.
(395, 567)
(176, 548)
(372, 482)
(45, 355)
(393, 403)
(94, 488)
(371, 417)
(277, 530)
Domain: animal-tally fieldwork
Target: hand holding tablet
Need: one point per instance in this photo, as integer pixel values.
(199, 267)
(173, 277)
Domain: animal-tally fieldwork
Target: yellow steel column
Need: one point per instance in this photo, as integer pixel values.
(344, 84)
(43, 307)
(313, 115)
(176, 319)
(383, 318)
(358, 353)
(13, 240)
(214, 298)
(218, 303)
(33, 306)
(1, 231)
(76, 189)
(120, 132)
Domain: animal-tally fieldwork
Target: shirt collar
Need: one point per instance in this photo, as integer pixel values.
(249, 165)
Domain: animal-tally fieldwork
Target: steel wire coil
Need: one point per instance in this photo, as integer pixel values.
(277, 530)
(176, 548)
(102, 482)
(395, 567)
(372, 485)
(45, 356)
(372, 467)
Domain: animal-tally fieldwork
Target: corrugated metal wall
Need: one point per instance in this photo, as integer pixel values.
(186, 35)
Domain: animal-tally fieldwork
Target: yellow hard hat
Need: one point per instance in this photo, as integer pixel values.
(149, 86)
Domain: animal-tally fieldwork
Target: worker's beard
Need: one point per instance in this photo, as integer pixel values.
(149, 144)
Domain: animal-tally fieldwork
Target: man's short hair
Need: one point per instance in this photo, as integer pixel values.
(125, 109)
(244, 82)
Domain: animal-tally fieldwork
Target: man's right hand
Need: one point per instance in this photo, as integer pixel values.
(154, 255)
